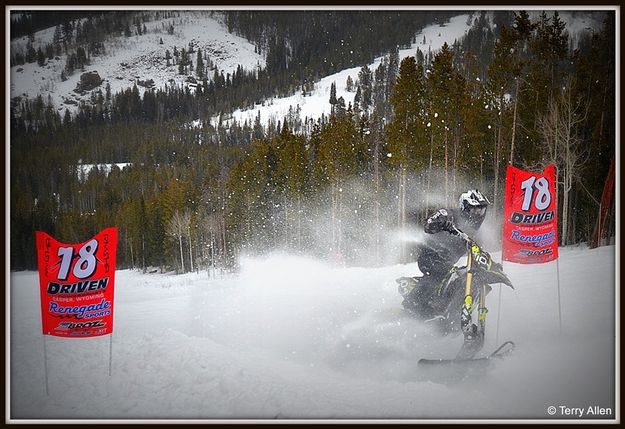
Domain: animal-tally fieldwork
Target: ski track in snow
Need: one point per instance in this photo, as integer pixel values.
(291, 337)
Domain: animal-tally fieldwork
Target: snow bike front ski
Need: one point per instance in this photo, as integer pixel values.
(502, 351)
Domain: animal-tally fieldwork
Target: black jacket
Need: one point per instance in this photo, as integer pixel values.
(448, 246)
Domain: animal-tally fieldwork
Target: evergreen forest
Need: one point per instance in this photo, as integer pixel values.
(516, 90)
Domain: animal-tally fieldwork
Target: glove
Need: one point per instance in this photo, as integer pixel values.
(439, 221)
(449, 227)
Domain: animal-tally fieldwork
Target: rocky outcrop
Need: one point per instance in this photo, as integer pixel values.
(149, 83)
(88, 81)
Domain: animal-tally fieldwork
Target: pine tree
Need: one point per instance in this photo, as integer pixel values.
(291, 178)
(349, 85)
(199, 65)
(441, 110)
(543, 69)
(58, 40)
(339, 154)
(333, 94)
(501, 74)
(365, 83)
(41, 59)
(474, 119)
(406, 130)
(391, 77)
(357, 99)
(184, 60)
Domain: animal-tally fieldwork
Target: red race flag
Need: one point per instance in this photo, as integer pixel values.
(530, 232)
(77, 285)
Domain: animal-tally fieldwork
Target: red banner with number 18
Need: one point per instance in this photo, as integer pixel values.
(77, 285)
(530, 233)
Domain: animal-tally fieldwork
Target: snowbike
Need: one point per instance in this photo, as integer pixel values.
(451, 303)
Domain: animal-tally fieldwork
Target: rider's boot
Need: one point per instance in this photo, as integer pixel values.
(473, 336)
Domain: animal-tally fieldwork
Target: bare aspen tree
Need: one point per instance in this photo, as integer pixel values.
(177, 228)
(211, 225)
(188, 235)
(565, 149)
(427, 195)
(497, 162)
(514, 118)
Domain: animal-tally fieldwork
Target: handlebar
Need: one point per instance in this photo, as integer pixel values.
(470, 243)
(459, 233)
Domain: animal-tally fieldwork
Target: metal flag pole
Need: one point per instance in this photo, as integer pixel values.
(498, 312)
(558, 259)
(110, 353)
(45, 364)
(500, 287)
(559, 302)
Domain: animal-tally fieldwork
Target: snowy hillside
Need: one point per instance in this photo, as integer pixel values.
(294, 338)
(316, 104)
(136, 58)
(431, 38)
(142, 58)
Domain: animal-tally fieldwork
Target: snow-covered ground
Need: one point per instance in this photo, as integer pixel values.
(294, 338)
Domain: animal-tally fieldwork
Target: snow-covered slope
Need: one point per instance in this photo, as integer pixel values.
(295, 338)
(141, 58)
(136, 58)
(432, 37)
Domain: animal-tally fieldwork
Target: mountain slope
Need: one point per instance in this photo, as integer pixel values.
(130, 60)
(431, 38)
(136, 59)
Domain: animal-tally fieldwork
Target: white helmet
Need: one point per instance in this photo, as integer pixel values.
(473, 204)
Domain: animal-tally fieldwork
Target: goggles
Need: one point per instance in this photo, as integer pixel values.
(477, 211)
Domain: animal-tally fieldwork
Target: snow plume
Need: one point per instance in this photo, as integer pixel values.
(296, 305)
(348, 224)
(339, 225)
(441, 196)
(424, 200)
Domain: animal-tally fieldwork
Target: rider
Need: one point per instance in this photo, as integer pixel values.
(441, 251)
